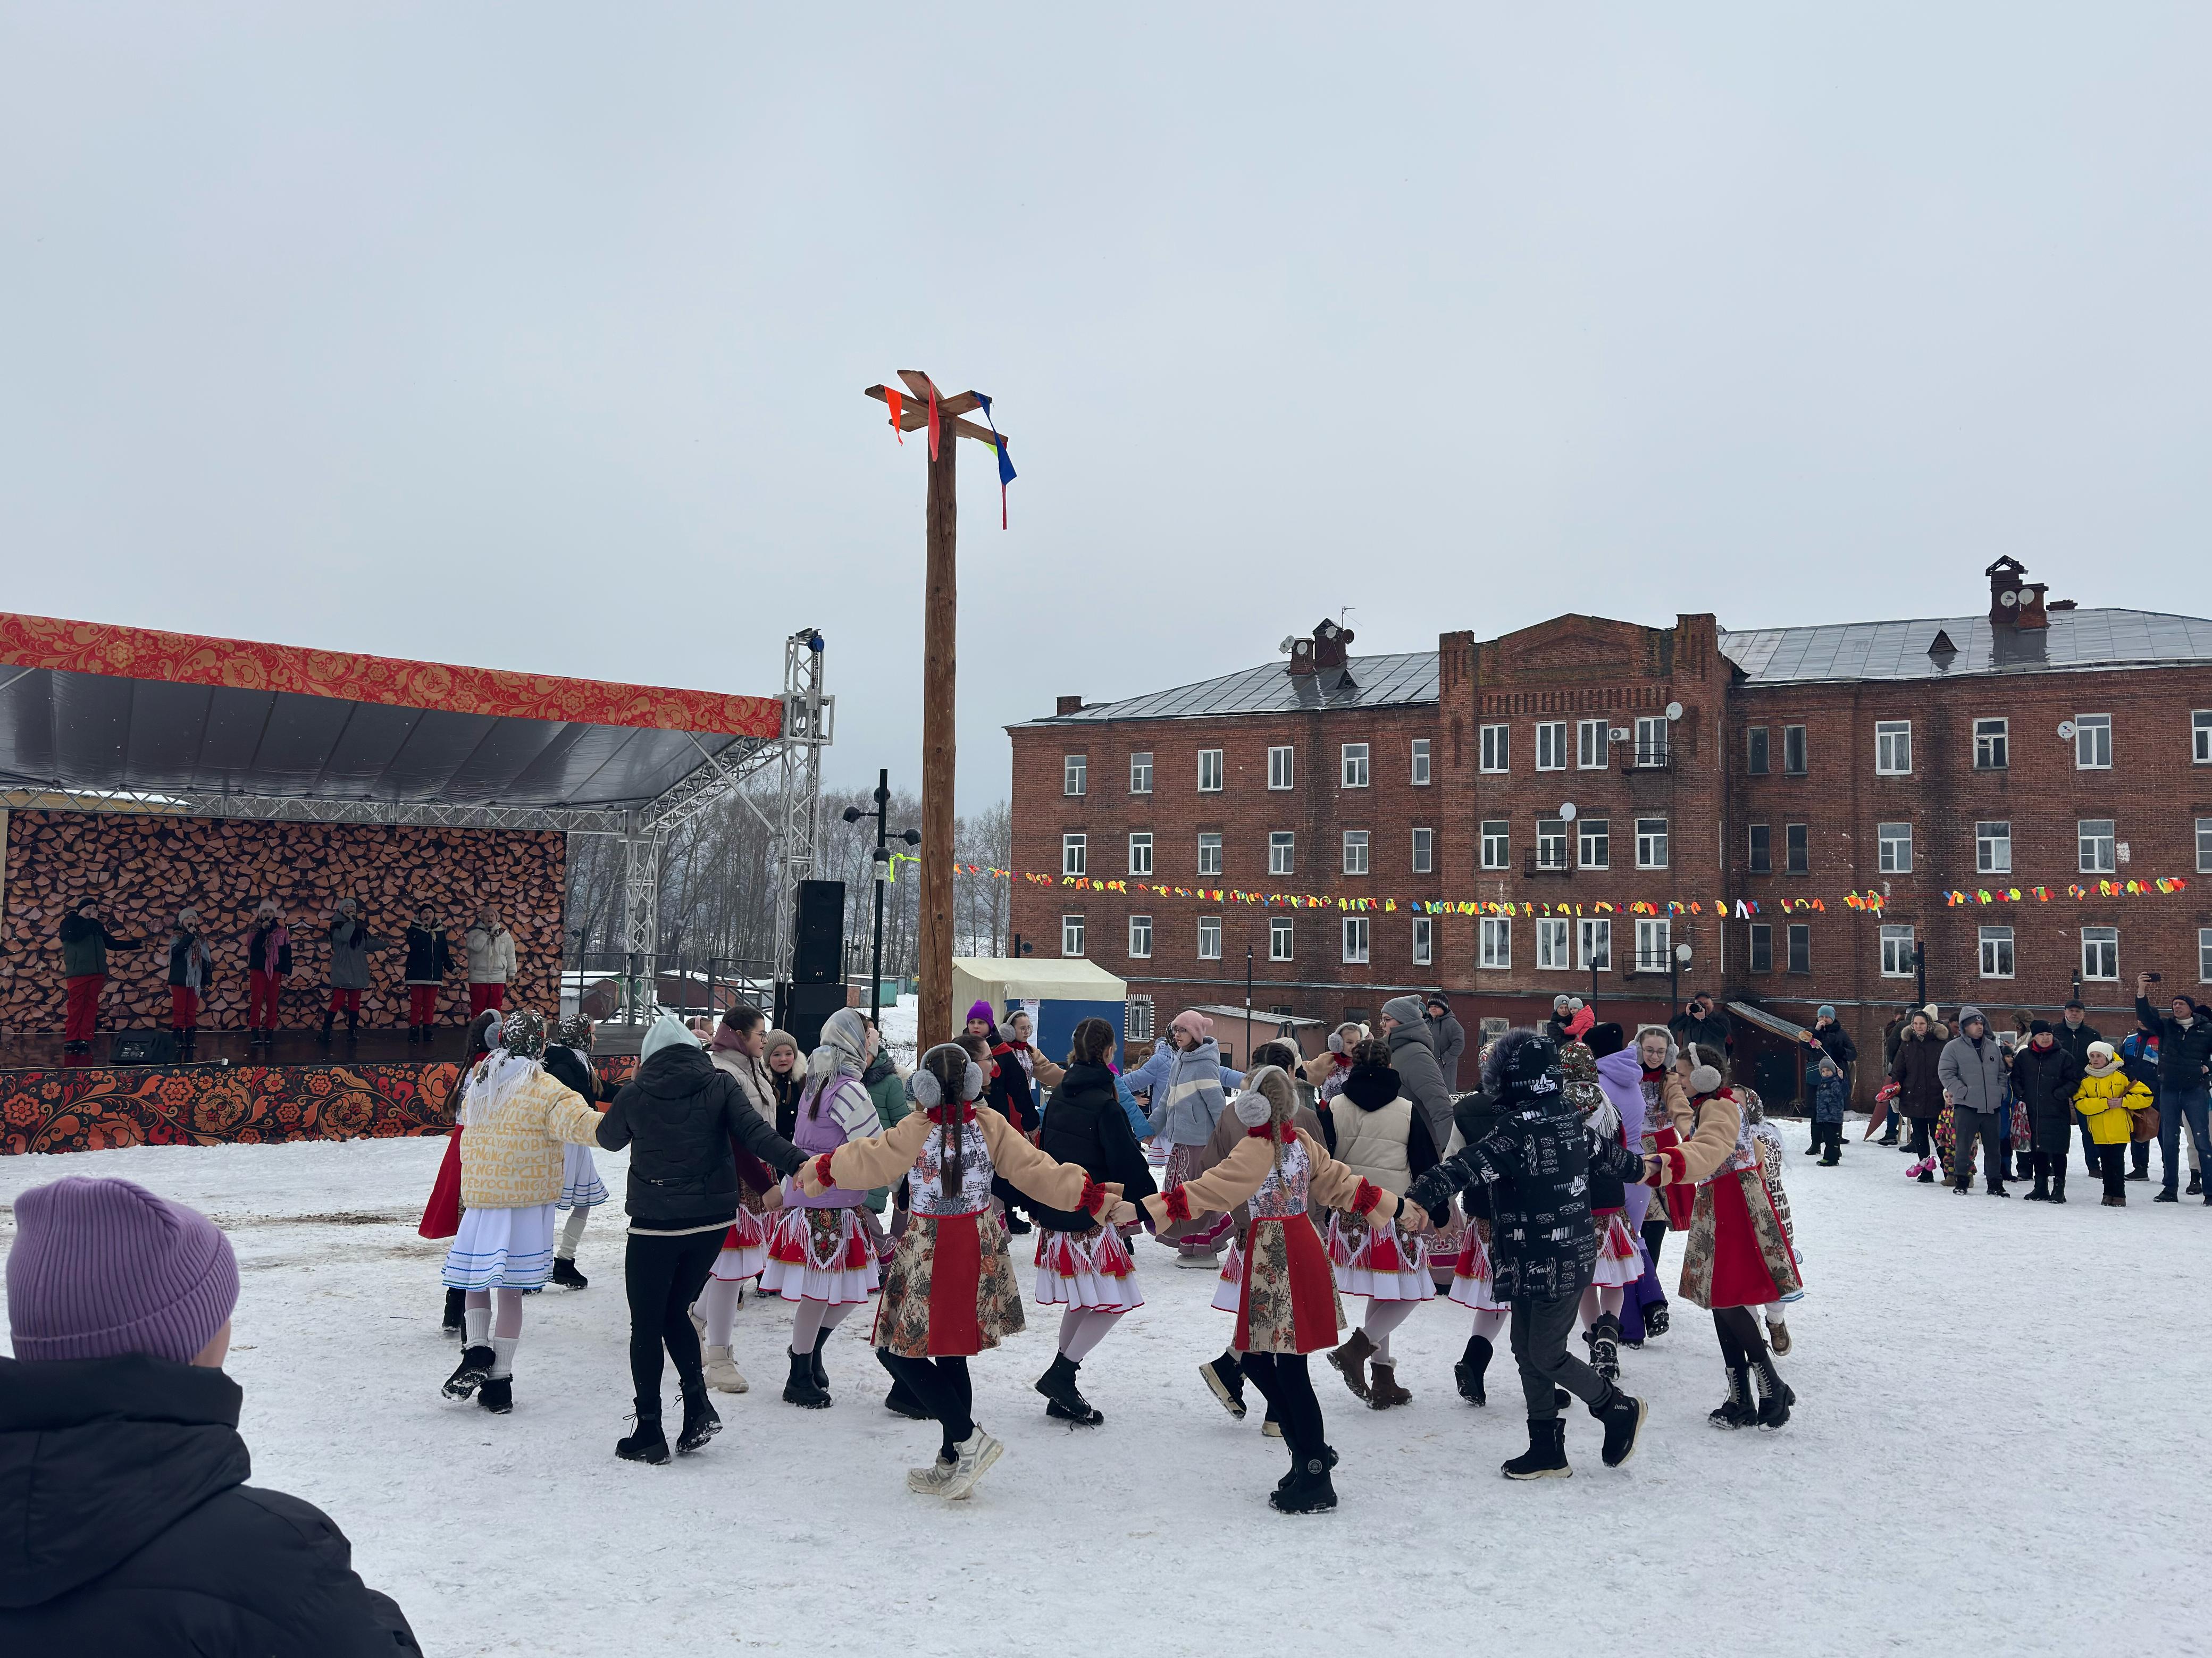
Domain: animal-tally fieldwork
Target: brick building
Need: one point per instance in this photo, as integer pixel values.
(1586, 762)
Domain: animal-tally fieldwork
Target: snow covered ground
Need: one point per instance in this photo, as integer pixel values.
(2001, 1446)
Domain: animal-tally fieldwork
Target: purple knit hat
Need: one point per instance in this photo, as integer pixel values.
(981, 1010)
(103, 1267)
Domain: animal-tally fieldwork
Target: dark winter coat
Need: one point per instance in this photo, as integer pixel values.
(127, 1528)
(430, 957)
(678, 1115)
(2076, 1041)
(85, 944)
(1536, 1165)
(1712, 1031)
(1084, 1125)
(1973, 1072)
(2044, 1079)
(1839, 1044)
(1449, 1036)
(1009, 1093)
(351, 945)
(2184, 1051)
(257, 944)
(787, 1086)
(191, 962)
(1413, 1057)
(1831, 1094)
(1916, 1072)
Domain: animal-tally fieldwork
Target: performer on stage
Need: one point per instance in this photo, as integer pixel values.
(351, 945)
(267, 964)
(569, 1057)
(191, 962)
(430, 959)
(491, 959)
(85, 943)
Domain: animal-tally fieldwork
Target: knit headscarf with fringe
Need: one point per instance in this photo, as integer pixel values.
(517, 1054)
(842, 1052)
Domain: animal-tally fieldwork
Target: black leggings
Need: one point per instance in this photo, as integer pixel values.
(1742, 1346)
(663, 1277)
(1922, 1128)
(1655, 1229)
(943, 1387)
(1284, 1381)
(2113, 1164)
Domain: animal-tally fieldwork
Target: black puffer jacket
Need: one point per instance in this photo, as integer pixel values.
(1536, 1162)
(1920, 1088)
(678, 1116)
(2184, 1051)
(126, 1526)
(2043, 1078)
(1084, 1125)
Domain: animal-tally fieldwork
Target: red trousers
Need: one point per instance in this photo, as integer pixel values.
(184, 1008)
(423, 1003)
(263, 992)
(344, 999)
(484, 996)
(83, 1016)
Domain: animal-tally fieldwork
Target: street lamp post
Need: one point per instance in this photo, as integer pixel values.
(1248, 1006)
(882, 856)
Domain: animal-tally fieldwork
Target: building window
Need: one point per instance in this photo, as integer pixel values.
(1425, 851)
(1209, 937)
(1552, 745)
(2093, 742)
(1355, 765)
(2101, 953)
(1552, 946)
(1893, 842)
(1762, 849)
(1281, 852)
(1497, 844)
(1592, 739)
(1074, 774)
(1650, 843)
(1140, 773)
(1793, 751)
(1801, 947)
(2200, 736)
(1140, 936)
(1497, 941)
(1651, 740)
(1551, 843)
(1139, 1016)
(1281, 767)
(1074, 854)
(1754, 751)
(1355, 852)
(2204, 956)
(1795, 853)
(1141, 851)
(1596, 850)
(1993, 848)
(1595, 938)
(1762, 947)
(1996, 952)
(1897, 952)
(1892, 748)
(1420, 761)
(1279, 937)
(1655, 945)
(1071, 935)
(1209, 771)
(1992, 744)
(1209, 854)
(1423, 940)
(1494, 747)
(1355, 940)
(2204, 846)
(2094, 838)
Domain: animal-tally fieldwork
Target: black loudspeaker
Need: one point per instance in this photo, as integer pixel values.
(808, 1006)
(817, 951)
(143, 1048)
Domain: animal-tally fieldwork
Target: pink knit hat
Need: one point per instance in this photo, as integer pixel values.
(1192, 1023)
(103, 1267)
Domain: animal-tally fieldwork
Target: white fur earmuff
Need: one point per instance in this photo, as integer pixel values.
(925, 1090)
(1252, 1109)
(1704, 1079)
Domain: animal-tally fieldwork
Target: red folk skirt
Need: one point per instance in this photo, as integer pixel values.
(1287, 1301)
(441, 1216)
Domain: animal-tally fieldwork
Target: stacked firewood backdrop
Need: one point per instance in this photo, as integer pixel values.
(145, 867)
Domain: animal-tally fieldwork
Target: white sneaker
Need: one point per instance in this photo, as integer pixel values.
(722, 1373)
(932, 1480)
(977, 1453)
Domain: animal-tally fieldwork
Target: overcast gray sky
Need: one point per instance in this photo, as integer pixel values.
(533, 336)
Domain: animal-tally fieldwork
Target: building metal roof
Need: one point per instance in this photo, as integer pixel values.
(2076, 639)
(1366, 682)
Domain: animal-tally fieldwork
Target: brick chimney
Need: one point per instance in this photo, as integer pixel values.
(1325, 649)
(1069, 705)
(2015, 602)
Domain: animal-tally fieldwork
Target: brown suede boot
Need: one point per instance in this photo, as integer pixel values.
(1386, 1390)
(1351, 1361)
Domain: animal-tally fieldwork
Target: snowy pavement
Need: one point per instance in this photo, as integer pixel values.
(2001, 1446)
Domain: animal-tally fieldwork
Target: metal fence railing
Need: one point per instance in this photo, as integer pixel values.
(631, 988)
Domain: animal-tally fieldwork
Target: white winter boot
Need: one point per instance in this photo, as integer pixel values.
(722, 1373)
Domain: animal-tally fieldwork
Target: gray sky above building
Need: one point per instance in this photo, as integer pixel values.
(533, 336)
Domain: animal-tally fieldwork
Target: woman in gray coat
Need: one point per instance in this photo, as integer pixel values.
(351, 945)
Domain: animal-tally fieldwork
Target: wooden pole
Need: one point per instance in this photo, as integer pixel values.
(940, 617)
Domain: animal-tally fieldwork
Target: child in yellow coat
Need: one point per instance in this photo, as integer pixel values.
(2108, 1098)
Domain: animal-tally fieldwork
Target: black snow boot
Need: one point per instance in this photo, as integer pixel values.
(645, 1443)
(565, 1275)
(497, 1394)
(1605, 1347)
(1225, 1376)
(900, 1401)
(324, 1039)
(802, 1390)
(414, 1035)
(1655, 1320)
(2042, 1192)
(471, 1373)
(1622, 1415)
(1307, 1490)
(1546, 1456)
(191, 1042)
(1775, 1396)
(353, 1025)
(1469, 1370)
(1736, 1410)
(700, 1422)
(2058, 1184)
(820, 1376)
(455, 1303)
(1065, 1402)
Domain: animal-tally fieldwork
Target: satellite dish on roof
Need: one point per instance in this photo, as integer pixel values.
(1567, 812)
(2066, 728)
(1674, 710)
(2008, 599)
(1290, 644)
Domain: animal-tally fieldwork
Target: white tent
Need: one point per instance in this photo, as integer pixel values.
(998, 980)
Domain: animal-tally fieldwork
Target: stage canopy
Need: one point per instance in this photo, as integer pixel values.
(100, 717)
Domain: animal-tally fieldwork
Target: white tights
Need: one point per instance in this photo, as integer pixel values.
(572, 1233)
(1488, 1323)
(478, 1324)
(718, 1305)
(1383, 1317)
(814, 1317)
(1082, 1328)
(1598, 1301)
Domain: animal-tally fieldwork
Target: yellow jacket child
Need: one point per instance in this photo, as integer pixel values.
(2107, 1095)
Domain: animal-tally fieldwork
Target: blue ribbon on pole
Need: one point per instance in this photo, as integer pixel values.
(1005, 465)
